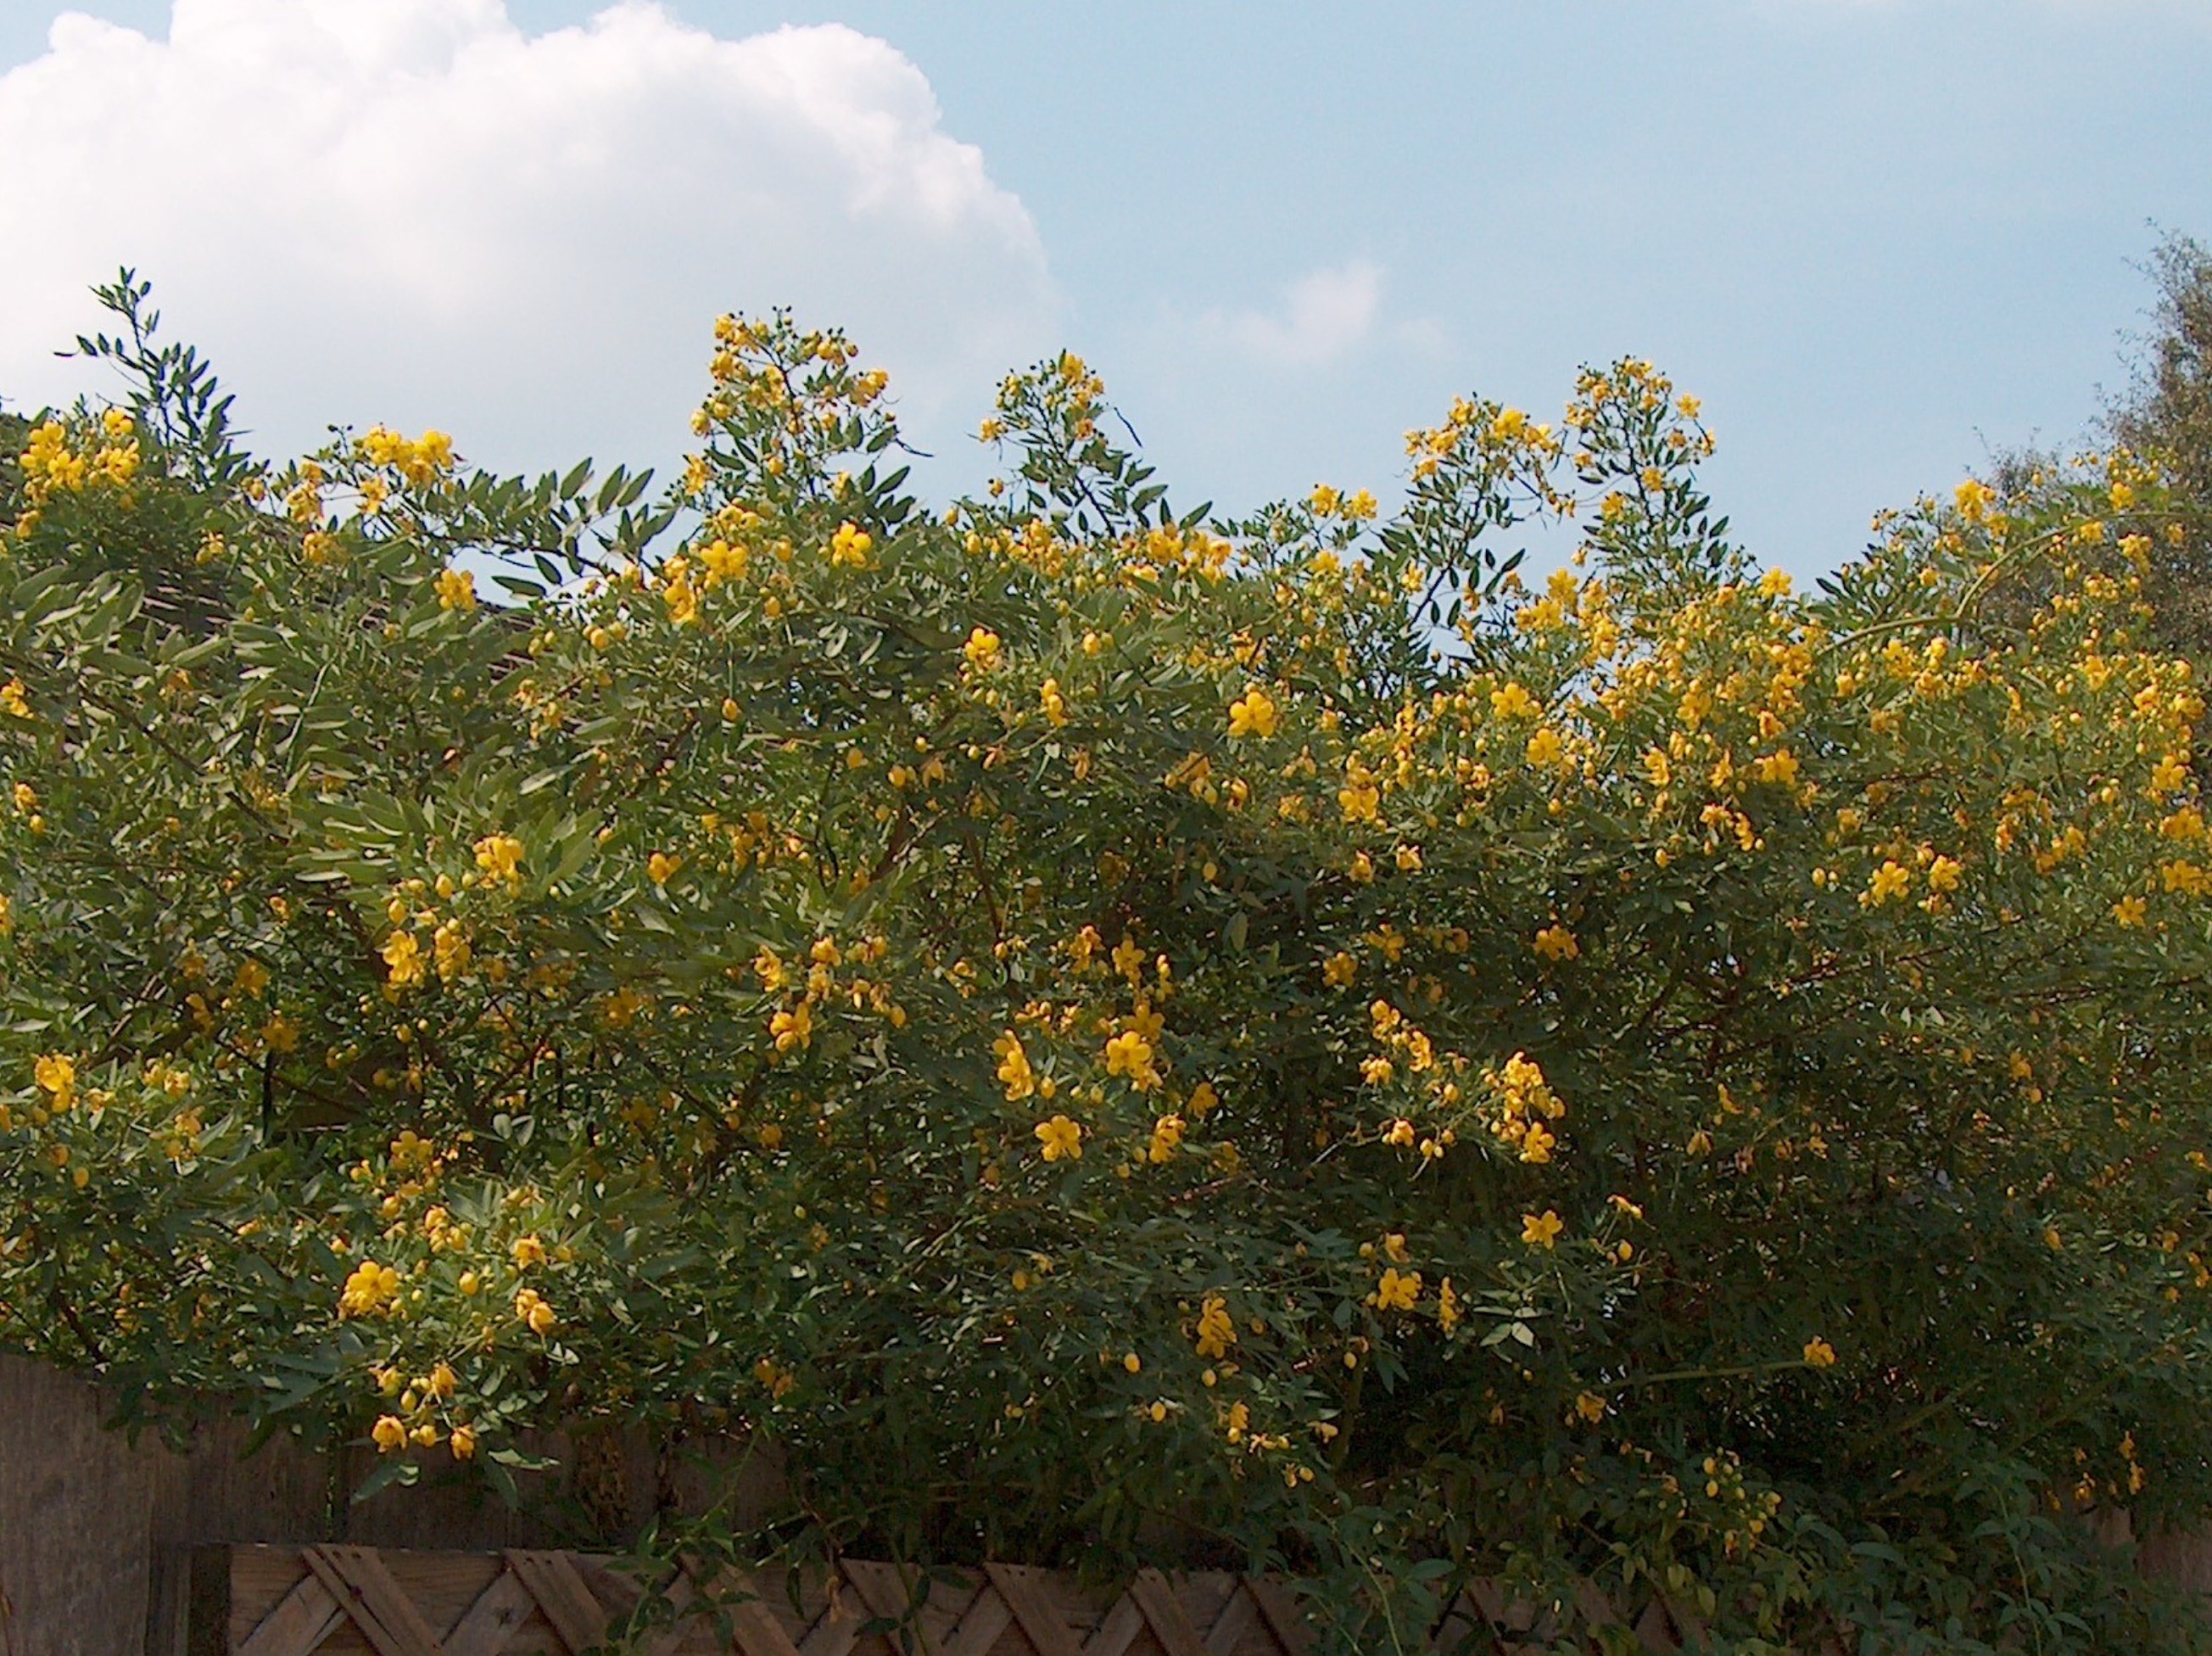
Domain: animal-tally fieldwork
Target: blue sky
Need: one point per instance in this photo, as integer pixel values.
(1878, 236)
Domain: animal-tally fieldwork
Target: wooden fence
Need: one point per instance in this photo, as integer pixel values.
(336, 1600)
(110, 1547)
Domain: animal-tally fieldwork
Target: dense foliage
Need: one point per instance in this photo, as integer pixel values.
(1097, 1033)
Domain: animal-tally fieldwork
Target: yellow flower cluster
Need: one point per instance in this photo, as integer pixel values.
(106, 456)
(420, 460)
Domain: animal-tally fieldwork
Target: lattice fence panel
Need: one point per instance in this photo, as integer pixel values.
(361, 1601)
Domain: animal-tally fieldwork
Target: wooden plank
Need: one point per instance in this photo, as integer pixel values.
(302, 1619)
(561, 1593)
(498, 1609)
(1239, 1619)
(681, 1594)
(207, 1606)
(758, 1632)
(1035, 1613)
(1117, 1629)
(733, 1597)
(1170, 1624)
(987, 1616)
(364, 1588)
(839, 1630)
(1281, 1614)
(892, 1594)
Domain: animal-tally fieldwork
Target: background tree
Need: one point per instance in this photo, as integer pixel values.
(2167, 414)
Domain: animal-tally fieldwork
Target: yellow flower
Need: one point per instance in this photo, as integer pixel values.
(1014, 1071)
(532, 1310)
(1167, 1134)
(660, 868)
(450, 948)
(1253, 714)
(1062, 1138)
(1338, 970)
(370, 1290)
(1944, 874)
(1131, 1055)
(1819, 1353)
(1511, 701)
(402, 960)
(1360, 798)
(850, 546)
(528, 1251)
(56, 1074)
(500, 856)
(1398, 1290)
(12, 702)
(1447, 1314)
(457, 589)
(1541, 1230)
(1053, 704)
(1129, 959)
(1590, 1407)
(1778, 769)
(1558, 943)
(1893, 879)
(792, 1028)
(2130, 911)
(1217, 1329)
(462, 1443)
(390, 1432)
(1545, 748)
(981, 648)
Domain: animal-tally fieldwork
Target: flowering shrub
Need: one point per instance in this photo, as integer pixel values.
(1108, 1035)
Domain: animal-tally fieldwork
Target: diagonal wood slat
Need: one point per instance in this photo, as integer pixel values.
(1239, 1619)
(498, 1609)
(364, 1589)
(738, 1599)
(839, 1630)
(303, 1618)
(1035, 1613)
(1163, 1611)
(682, 1592)
(987, 1615)
(1280, 1613)
(893, 1594)
(561, 1593)
(1117, 1629)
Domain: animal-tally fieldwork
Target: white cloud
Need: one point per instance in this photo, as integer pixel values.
(409, 210)
(1324, 313)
